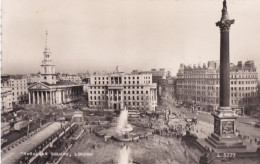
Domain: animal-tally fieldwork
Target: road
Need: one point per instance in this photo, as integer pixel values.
(245, 129)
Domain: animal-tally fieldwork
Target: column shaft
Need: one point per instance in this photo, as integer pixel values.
(42, 97)
(33, 94)
(224, 70)
(46, 97)
(38, 98)
(29, 97)
(51, 97)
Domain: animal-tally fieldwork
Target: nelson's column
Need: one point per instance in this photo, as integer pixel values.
(224, 136)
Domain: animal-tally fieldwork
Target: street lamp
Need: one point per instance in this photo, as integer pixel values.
(193, 105)
(28, 129)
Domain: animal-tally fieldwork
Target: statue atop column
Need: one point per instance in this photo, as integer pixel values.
(225, 4)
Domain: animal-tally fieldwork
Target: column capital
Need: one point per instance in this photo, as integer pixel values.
(224, 25)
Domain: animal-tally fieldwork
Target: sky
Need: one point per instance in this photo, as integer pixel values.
(98, 35)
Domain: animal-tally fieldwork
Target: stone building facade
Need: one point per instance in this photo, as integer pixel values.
(69, 77)
(19, 87)
(162, 78)
(114, 91)
(167, 88)
(199, 85)
(6, 100)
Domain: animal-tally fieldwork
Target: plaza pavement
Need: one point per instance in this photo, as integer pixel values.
(15, 153)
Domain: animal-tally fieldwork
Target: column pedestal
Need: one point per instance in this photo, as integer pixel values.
(224, 130)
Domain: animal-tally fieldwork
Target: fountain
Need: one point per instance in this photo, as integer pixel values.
(123, 127)
(124, 131)
(124, 156)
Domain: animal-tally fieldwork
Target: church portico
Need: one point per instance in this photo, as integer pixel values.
(40, 93)
(54, 95)
(41, 97)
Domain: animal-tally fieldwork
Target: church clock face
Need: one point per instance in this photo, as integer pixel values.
(217, 127)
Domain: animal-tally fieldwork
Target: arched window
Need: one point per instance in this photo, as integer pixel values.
(45, 70)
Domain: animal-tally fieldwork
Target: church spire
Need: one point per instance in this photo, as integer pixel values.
(46, 41)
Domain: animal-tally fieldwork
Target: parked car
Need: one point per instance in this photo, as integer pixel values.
(20, 125)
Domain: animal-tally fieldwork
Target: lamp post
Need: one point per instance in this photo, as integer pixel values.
(193, 105)
(28, 128)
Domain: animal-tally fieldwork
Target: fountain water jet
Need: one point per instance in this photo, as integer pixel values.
(123, 126)
(124, 156)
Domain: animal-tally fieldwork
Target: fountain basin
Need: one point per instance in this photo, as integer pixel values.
(133, 135)
(123, 130)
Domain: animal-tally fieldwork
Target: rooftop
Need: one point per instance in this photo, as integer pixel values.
(62, 82)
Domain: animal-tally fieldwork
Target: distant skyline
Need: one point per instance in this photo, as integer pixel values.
(135, 34)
